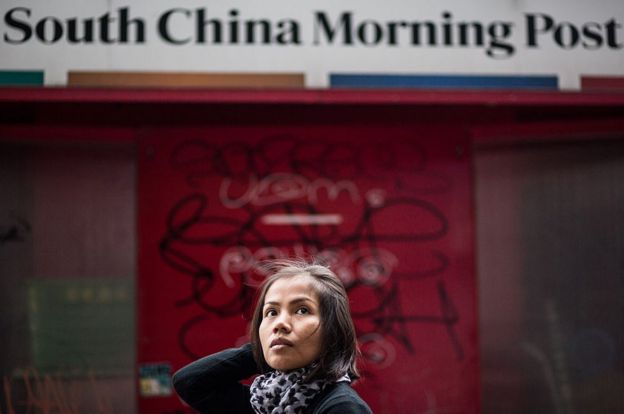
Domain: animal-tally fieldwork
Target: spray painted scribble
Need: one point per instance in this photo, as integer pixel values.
(288, 178)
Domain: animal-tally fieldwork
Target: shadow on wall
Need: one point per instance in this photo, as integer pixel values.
(67, 248)
(550, 220)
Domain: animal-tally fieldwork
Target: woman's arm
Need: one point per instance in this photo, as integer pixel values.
(211, 384)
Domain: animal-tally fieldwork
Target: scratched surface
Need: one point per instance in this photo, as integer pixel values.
(390, 208)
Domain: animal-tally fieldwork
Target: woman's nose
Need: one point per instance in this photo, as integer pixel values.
(282, 324)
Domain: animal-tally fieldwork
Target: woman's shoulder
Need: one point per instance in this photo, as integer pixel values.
(340, 398)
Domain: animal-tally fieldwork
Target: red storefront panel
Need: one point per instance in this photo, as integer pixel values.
(390, 208)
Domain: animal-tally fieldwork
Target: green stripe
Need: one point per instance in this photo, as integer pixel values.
(21, 78)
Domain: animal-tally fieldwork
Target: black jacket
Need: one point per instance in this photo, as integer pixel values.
(211, 385)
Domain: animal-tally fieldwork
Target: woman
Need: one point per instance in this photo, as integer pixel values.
(303, 343)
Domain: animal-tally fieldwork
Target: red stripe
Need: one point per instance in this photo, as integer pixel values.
(602, 83)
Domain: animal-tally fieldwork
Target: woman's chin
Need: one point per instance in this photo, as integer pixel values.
(283, 366)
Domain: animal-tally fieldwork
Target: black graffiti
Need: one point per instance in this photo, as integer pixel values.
(14, 232)
(199, 159)
(386, 316)
(190, 225)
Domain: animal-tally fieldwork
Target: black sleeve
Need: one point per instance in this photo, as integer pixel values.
(341, 399)
(211, 384)
(345, 406)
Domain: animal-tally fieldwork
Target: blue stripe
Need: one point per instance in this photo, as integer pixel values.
(443, 81)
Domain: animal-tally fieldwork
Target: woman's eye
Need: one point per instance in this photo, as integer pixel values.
(270, 312)
(303, 311)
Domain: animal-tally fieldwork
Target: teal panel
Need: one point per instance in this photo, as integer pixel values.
(79, 326)
(21, 78)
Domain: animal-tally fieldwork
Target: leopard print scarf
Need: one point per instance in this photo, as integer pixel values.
(279, 392)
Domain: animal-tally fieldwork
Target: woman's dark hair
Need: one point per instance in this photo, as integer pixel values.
(339, 349)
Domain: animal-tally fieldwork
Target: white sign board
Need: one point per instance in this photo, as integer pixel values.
(564, 38)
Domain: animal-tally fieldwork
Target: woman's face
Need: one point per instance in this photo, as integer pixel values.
(290, 331)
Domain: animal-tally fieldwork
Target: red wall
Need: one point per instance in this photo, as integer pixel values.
(404, 248)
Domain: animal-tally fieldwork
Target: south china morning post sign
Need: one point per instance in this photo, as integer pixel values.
(563, 38)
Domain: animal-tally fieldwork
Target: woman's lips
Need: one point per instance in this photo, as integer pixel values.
(281, 342)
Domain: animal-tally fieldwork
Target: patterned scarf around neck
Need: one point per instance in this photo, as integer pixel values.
(279, 392)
